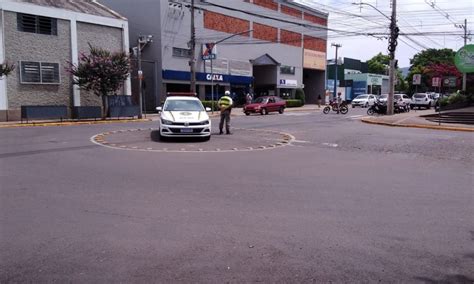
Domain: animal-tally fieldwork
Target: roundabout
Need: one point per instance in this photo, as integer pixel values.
(147, 139)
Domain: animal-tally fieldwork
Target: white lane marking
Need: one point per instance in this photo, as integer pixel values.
(334, 145)
(297, 114)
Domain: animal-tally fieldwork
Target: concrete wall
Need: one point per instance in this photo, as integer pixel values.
(144, 19)
(22, 46)
(102, 37)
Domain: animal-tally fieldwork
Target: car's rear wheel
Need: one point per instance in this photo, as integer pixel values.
(247, 113)
(281, 110)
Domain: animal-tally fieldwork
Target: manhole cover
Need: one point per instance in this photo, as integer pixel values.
(146, 139)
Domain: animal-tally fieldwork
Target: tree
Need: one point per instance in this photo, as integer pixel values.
(6, 69)
(402, 83)
(422, 61)
(379, 64)
(102, 72)
(433, 56)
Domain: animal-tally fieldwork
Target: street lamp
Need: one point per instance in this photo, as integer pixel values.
(142, 41)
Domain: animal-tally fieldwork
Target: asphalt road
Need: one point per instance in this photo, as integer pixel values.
(343, 202)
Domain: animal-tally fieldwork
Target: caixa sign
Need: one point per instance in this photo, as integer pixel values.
(215, 77)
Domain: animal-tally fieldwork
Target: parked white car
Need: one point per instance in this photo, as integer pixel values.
(422, 100)
(183, 116)
(365, 100)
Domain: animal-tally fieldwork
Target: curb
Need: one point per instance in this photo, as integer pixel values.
(70, 123)
(449, 128)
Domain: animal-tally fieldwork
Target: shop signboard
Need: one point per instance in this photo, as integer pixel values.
(436, 82)
(314, 59)
(449, 81)
(464, 59)
(209, 51)
(416, 79)
(374, 80)
(288, 83)
(359, 88)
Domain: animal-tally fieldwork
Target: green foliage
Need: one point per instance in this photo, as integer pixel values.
(379, 64)
(6, 69)
(457, 98)
(433, 56)
(294, 103)
(424, 62)
(102, 72)
(210, 105)
(299, 95)
(402, 85)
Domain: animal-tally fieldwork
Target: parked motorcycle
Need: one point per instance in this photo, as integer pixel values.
(378, 107)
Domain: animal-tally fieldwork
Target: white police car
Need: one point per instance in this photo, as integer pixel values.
(184, 116)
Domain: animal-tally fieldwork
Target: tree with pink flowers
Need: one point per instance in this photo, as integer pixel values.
(101, 72)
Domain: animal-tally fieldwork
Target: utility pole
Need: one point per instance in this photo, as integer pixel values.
(142, 41)
(337, 45)
(392, 45)
(192, 62)
(140, 77)
(464, 75)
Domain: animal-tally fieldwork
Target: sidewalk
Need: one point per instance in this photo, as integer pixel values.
(415, 119)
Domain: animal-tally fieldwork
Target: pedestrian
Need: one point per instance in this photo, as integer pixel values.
(319, 101)
(248, 98)
(225, 106)
(339, 101)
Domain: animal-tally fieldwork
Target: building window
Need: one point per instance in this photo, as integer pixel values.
(37, 24)
(287, 70)
(39, 73)
(181, 52)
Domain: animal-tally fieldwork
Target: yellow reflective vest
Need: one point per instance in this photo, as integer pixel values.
(225, 102)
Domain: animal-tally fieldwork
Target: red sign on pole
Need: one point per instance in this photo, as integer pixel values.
(436, 82)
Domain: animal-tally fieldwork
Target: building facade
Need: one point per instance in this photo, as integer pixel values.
(40, 38)
(263, 46)
(353, 79)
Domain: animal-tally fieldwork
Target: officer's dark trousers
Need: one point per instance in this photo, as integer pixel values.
(225, 116)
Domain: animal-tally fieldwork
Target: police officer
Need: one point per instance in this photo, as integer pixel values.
(225, 106)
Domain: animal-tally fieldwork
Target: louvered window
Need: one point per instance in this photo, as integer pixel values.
(39, 73)
(37, 24)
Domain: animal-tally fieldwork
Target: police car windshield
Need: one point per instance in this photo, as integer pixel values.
(184, 105)
(261, 100)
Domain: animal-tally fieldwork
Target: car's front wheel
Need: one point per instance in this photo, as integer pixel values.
(161, 137)
(281, 110)
(263, 111)
(247, 113)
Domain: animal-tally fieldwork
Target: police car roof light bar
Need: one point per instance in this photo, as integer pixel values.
(181, 94)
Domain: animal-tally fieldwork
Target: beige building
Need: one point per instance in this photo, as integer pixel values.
(40, 38)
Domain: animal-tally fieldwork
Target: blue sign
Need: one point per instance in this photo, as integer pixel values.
(359, 88)
(206, 77)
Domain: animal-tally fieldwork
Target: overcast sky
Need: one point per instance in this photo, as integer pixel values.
(418, 17)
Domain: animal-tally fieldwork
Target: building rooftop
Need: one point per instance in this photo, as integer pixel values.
(91, 7)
